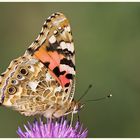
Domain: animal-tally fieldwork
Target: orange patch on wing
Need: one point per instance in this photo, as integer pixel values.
(54, 59)
(44, 56)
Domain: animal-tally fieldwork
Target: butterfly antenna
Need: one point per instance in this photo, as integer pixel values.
(85, 93)
(98, 99)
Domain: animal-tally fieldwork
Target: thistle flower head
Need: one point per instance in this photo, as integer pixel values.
(52, 129)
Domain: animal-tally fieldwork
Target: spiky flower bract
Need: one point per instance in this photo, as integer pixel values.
(52, 129)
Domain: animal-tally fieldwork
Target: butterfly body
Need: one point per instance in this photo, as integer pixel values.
(42, 81)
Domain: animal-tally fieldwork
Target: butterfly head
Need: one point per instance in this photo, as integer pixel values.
(76, 107)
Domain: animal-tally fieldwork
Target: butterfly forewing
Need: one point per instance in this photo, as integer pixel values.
(55, 49)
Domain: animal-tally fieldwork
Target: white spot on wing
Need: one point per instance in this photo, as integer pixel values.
(68, 28)
(55, 32)
(67, 68)
(68, 46)
(59, 28)
(49, 17)
(58, 89)
(48, 77)
(52, 39)
(63, 45)
(33, 85)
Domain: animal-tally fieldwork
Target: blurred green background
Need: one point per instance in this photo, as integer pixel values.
(107, 43)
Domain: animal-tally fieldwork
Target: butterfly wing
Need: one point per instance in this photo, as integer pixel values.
(55, 49)
(42, 81)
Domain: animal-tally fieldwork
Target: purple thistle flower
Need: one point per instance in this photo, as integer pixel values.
(52, 129)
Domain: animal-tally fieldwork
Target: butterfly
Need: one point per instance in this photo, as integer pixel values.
(42, 81)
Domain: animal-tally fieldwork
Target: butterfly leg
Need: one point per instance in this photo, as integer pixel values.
(78, 117)
(72, 118)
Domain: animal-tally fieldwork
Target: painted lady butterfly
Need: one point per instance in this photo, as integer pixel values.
(42, 81)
